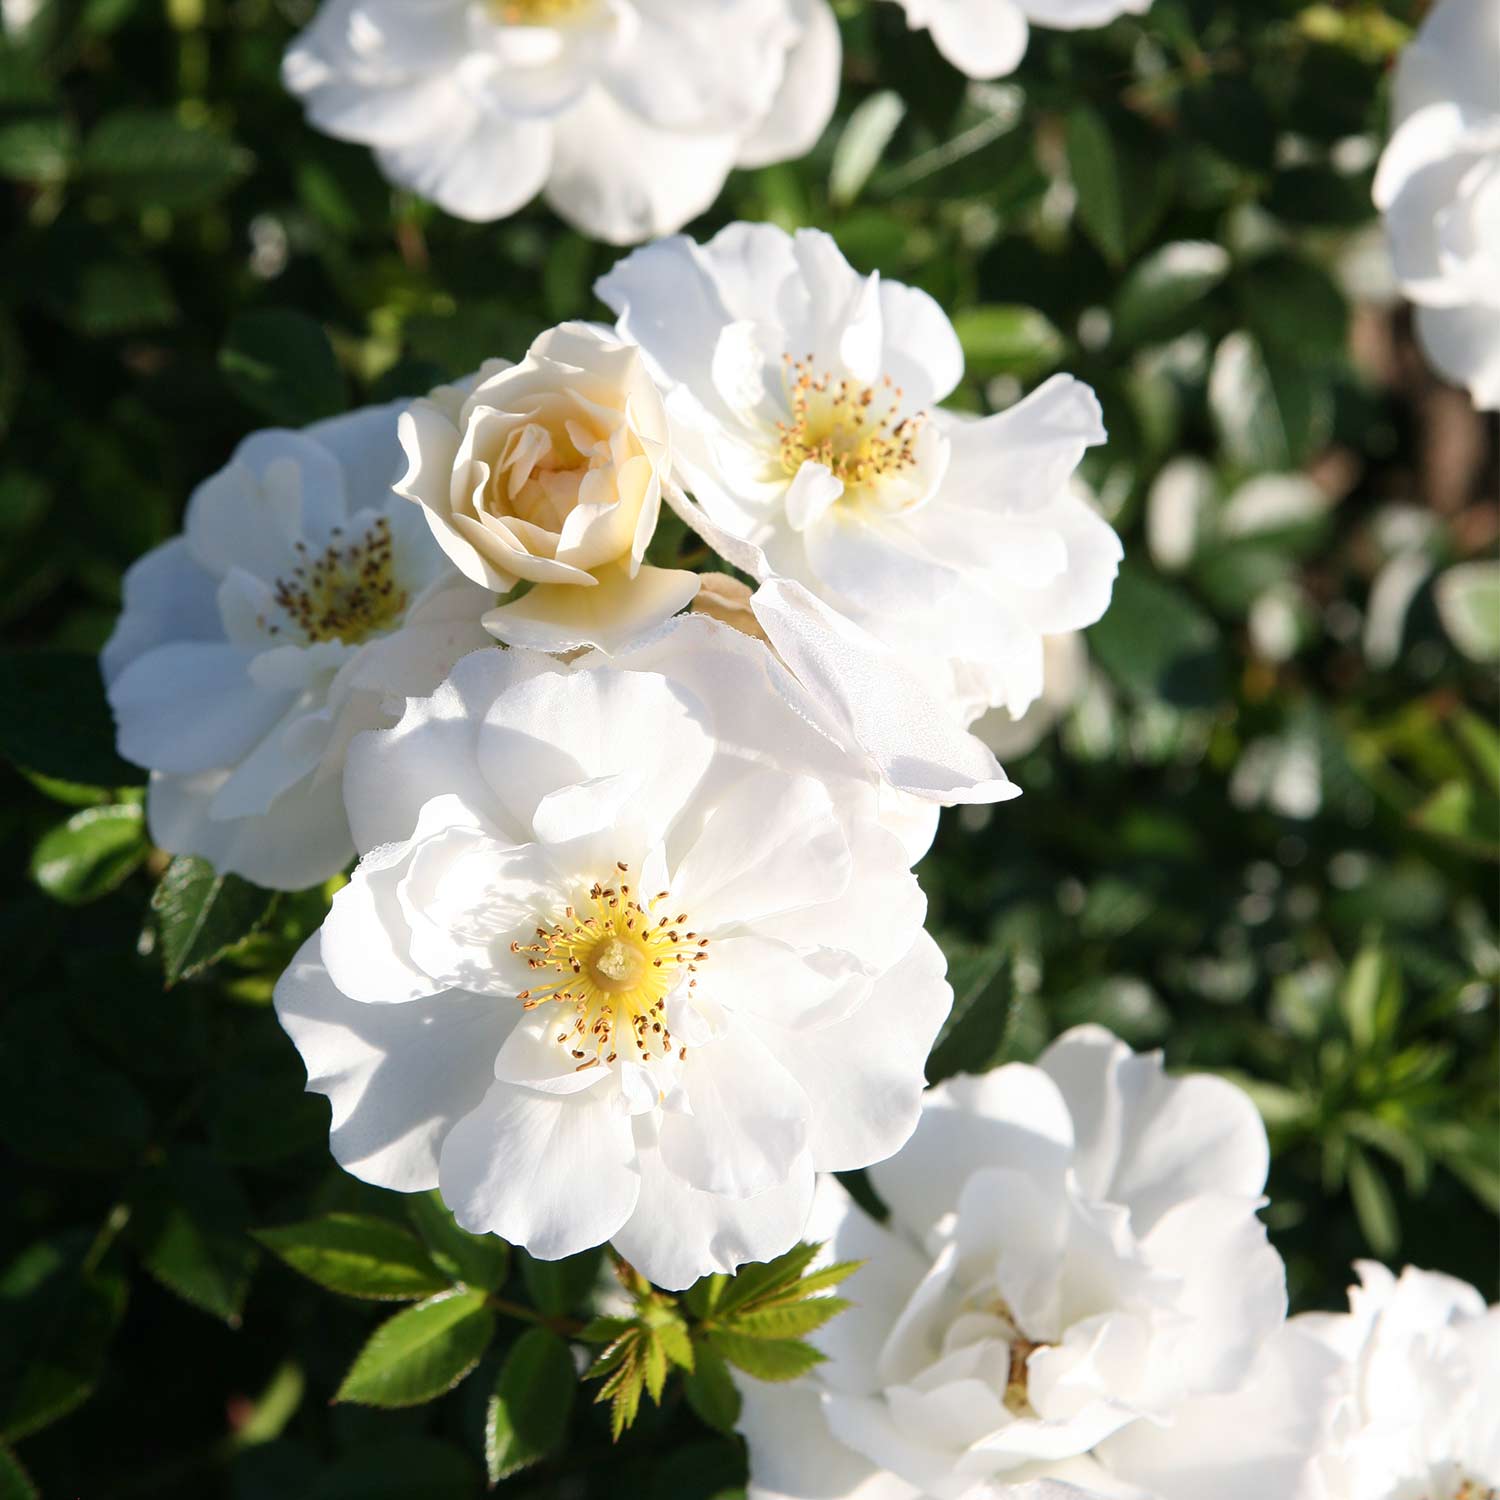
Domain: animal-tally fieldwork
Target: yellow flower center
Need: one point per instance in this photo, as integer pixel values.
(536, 12)
(1471, 1489)
(347, 593)
(857, 432)
(617, 959)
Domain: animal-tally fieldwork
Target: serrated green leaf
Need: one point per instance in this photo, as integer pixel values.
(766, 1359)
(147, 158)
(676, 1342)
(764, 1280)
(191, 1225)
(357, 1255)
(281, 363)
(654, 1363)
(829, 1276)
(478, 1260)
(420, 1353)
(201, 914)
(90, 854)
(605, 1330)
(710, 1389)
(60, 723)
(527, 1416)
(789, 1321)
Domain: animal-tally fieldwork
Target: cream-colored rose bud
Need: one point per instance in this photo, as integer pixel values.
(550, 472)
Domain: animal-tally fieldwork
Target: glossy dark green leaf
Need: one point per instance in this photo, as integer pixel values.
(357, 1255)
(148, 158)
(710, 1389)
(281, 363)
(478, 1260)
(560, 1287)
(422, 1352)
(974, 1032)
(201, 914)
(89, 855)
(1163, 293)
(999, 340)
(1158, 645)
(527, 1416)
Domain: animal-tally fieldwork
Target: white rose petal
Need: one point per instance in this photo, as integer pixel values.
(298, 608)
(627, 114)
(911, 560)
(681, 954)
(1438, 186)
(1072, 1296)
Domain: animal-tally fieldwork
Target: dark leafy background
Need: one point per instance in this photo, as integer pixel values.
(184, 262)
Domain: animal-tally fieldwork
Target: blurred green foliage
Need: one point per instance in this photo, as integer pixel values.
(1265, 837)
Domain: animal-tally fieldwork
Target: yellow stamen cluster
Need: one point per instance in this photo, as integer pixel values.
(535, 12)
(857, 432)
(1017, 1396)
(347, 593)
(617, 960)
(1470, 1489)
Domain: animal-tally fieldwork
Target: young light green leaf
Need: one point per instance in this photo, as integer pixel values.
(767, 1359)
(201, 914)
(478, 1260)
(788, 1321)
(422, 1352)
(754, 1283)
(89, 855)
(527, 1416)
(357, 1255)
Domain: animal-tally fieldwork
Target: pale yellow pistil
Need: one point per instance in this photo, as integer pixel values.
(535, 12)
(857, 432)
(347, 593)
(617, 962)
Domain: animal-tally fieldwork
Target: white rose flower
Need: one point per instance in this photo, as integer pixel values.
(911, 559)
(301, 604)
(551, 471)
(629, 955)
(987, 38)
(1419, 1385)
(1067, 1299)
(1438, 186)
(1064, 678)
(627, 114)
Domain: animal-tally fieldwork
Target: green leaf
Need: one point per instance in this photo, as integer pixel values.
(191, 1224)
(1158, 645)
(59, 723)
(36, 146)
(1271, 411)
(710, 1389)
(1292, 305)
(527, 1416)
(767, 1359)
(560, 1287)
(1162, 294)
(403, 1468)
(58, 1339)
(282, 364)
(756, 1283)
(862, 143)
(1373, 1205)
(1122, 178)
(791, 1321)
(478, 1260)
(15, 1482)
(357, 1255)
(983, 999)
(1468, 604)
(89, 855)
(422, 1352)
(1002, 339)
(146, 158)
(201, 914)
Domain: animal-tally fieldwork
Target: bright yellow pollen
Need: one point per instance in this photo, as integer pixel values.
(348, 593)
(859, 433)
(616, 960)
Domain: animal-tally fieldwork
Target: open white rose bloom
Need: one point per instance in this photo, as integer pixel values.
(1438, 186)
(627, 114)
(1418, 1415)
(302, 603)
(1072, 1296)
(628, 956)
(911, 560)
(551, 472)
(987, 38)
